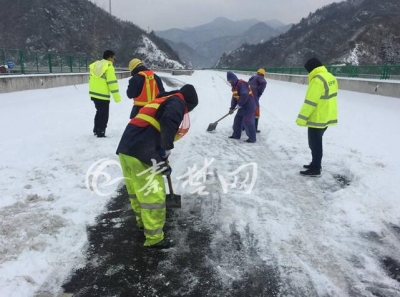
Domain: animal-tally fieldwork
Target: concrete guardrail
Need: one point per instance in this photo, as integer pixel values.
(369, 86)
(30, 82)
(176, 71)
(13, 83)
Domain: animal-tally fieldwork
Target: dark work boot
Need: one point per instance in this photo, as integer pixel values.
(311, 172)
(162, 245)
(101, 134)
(308, 166)
(256, 122)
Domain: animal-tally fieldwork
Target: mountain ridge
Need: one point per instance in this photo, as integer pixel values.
(221, 35)
(349, 32)
(79, 27)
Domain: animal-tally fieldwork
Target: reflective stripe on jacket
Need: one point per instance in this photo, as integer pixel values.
(235, 93)
(146, 116)
(319, 109)
(149, 90)
(102, 81)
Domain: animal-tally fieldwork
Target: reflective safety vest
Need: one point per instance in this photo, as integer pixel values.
(235, 92)
(147, 116)
(319, 109)
(149, 91)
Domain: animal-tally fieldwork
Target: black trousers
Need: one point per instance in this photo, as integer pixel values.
(315, 144)
(101, 117)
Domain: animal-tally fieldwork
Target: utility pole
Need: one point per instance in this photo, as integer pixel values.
(110, 5)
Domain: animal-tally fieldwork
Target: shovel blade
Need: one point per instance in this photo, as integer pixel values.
(212, 127)
(173, 201)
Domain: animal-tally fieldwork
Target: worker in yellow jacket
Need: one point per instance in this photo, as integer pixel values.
(102, 82)
(319, 111)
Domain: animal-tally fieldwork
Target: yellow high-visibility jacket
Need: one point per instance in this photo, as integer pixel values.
(320, 106)
(102, 81)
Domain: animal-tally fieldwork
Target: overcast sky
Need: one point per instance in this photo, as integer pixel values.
(167, 14)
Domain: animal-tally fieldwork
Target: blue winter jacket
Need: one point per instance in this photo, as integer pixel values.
(257, 84)
(246, 101)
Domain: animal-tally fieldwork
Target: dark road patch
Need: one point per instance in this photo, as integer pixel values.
(334, 182)
(392, 267)
(343, 180)
(118, 265)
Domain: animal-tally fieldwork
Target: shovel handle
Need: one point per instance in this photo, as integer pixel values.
(172, 200)
(225, 115)
(171, 190)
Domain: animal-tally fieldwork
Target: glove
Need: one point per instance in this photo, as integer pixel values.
(118, 99)
(164, 154)
(167, 170)
(231, 111)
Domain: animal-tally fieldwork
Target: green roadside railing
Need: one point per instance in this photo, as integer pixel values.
(31, 62)
(367, 72)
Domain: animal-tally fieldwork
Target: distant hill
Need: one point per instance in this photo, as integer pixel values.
(275, 24)
(350, 32)
(221, 35)
(220, 27)
(78, 27)
(192, 58)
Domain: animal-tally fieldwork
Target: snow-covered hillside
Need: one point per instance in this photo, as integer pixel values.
(324, 236)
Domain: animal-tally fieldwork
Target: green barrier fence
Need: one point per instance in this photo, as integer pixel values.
(29, 62)
(368, 72)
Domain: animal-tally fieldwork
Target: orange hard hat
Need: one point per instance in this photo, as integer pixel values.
(261, 71)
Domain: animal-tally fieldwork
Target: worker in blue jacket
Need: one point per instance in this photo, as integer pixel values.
(242, 97)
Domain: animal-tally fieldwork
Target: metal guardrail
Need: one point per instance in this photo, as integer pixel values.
(368, 71)
(29, 62)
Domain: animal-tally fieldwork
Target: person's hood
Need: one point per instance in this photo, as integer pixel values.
(230, 76)
(98, 68)
(190, 95)
(316, 71)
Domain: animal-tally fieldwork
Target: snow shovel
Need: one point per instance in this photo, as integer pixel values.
(212, 126)
(172, 200)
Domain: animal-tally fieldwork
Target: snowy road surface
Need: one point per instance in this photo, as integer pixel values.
(284, 235)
